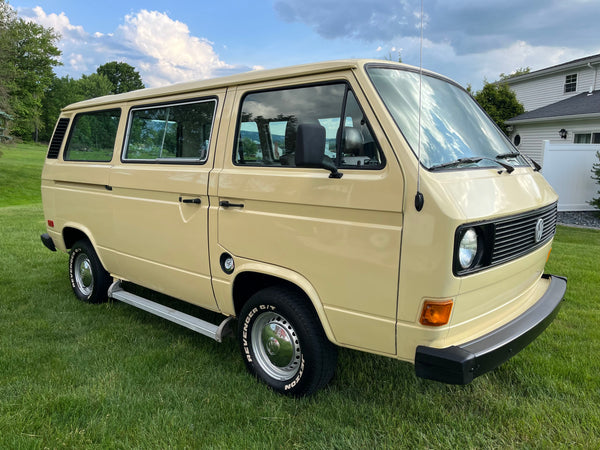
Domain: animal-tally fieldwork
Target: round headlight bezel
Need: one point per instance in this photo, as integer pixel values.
(468, 248)
(473, 241)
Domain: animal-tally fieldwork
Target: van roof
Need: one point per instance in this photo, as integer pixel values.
(232, 80)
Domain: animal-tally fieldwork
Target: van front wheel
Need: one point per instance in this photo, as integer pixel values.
(283, 343)
(89, 279)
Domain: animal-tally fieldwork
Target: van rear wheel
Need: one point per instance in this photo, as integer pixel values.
(283, 343)
(89, 280)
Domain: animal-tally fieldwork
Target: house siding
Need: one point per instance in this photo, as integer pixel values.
(534, 134)
(544, 90)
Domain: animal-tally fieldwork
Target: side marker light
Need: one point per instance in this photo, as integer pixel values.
(436, 313)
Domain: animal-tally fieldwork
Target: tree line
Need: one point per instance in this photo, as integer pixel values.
(31, 94)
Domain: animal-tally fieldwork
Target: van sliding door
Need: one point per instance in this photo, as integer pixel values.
(160, 194)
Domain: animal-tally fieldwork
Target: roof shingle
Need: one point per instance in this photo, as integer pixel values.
(582, 104)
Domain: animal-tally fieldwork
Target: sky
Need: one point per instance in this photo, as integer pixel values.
(181, 40)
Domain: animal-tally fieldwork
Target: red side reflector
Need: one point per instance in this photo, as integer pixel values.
(51, 223)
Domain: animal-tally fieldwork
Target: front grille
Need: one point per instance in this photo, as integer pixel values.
(516, 235)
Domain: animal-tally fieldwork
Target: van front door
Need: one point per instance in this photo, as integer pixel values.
(341, 235)
(160, 193)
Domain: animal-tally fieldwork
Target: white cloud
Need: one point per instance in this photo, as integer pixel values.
(60, 23)
(176, 54)
(474, 68)
(163, 50)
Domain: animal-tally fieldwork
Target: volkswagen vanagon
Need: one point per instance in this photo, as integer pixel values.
(358, 204)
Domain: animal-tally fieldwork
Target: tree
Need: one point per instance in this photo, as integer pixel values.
(66, 90)
(28, 54)
(499, 102)
(391, 57)
(123, 76)
(7, 71)
(516, 73)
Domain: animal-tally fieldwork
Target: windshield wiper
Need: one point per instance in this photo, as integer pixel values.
(508, 155)
(456, 162)
(536, 166)
(471, 160)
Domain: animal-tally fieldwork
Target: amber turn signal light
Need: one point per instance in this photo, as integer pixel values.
(436, 313)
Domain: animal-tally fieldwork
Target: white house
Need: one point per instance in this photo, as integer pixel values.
(562, 105)
(561, 126)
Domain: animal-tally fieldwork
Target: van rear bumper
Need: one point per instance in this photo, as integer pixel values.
(48, 242)
(460, 364)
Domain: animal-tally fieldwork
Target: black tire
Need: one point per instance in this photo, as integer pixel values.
(89, 280)
(283, 343)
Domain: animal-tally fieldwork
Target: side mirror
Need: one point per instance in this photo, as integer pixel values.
(310, 148)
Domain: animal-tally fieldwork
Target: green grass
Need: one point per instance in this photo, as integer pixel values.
(20, 171)
(77, 375)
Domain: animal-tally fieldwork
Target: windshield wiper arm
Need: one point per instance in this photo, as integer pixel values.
(508, 155)
(456, 162)
(508, 167)
(536, 166)
(472, 160)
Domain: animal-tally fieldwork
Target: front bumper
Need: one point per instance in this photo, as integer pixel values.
(460, 364)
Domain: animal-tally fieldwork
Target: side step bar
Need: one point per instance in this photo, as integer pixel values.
(216, 332)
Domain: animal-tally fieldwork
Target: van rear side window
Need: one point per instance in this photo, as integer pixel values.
(170, 133)
(93, 136)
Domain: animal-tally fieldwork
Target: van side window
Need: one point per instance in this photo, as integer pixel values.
(170, 133)
(93, 136)
(269, 122)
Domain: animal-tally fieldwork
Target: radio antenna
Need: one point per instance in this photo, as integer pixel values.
(419, 199)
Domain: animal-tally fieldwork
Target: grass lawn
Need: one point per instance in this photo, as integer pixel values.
(78, 375)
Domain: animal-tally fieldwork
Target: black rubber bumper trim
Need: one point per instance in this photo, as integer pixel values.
(48, 242)
(461, 364)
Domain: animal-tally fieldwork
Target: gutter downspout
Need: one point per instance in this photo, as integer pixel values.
(593, 86)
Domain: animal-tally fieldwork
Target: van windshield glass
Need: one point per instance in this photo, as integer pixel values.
(453, 125)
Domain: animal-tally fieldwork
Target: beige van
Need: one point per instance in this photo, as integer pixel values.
(360, 204)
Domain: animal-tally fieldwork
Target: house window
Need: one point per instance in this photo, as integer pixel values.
(587, 138)
(571, 83)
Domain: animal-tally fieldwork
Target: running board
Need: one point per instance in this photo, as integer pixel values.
(216, 332)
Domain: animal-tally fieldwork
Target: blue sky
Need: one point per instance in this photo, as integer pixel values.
(181, 40)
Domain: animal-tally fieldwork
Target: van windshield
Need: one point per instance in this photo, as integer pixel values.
(454, 129)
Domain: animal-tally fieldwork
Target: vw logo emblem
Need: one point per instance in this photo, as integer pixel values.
(539, 230)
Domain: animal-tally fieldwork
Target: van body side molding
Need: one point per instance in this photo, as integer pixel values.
(461, 364)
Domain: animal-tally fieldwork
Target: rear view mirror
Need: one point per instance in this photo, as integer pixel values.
(310, 149)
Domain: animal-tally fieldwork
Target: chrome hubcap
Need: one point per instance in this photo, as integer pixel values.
(83, 274)
(276, 346)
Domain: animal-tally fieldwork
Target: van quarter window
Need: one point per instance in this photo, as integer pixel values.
(93, 136)
(170, 133)
(269, 123)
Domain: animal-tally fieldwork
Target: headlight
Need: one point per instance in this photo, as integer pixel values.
(473, 248)
(467, 249)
